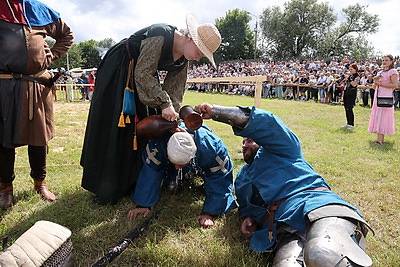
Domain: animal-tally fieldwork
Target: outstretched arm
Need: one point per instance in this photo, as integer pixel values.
(234, 116)
(262, 126)
(205, 110)
(147, 189)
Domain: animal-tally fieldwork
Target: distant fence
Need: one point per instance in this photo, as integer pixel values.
(256, 81)
(59, 90)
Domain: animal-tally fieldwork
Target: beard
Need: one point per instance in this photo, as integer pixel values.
(249, 155)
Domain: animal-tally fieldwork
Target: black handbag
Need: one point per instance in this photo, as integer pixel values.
(384, 102)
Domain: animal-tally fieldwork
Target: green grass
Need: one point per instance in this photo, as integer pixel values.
(363, 174)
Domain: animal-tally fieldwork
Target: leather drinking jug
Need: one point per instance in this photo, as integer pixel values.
(154, 127)
(192, 119)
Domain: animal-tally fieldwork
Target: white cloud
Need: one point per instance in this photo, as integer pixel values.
(118, 19)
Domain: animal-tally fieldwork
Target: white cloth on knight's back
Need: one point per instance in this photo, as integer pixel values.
(36, 245)
(181, 148)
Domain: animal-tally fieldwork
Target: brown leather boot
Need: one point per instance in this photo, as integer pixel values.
(41, 188)
(6, 195)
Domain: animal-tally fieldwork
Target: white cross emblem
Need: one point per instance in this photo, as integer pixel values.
(221, 165)
(151, 155)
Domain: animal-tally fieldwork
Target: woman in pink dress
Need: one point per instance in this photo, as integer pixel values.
(381, 120)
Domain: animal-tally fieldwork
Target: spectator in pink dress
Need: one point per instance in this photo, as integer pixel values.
(382, 118)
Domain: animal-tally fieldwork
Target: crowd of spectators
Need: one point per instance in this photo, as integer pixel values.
(317, 80)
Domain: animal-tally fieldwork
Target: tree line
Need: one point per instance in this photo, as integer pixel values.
(84, 55)
(301, 29)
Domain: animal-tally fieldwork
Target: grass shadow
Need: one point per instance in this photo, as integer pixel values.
(89, 230)
(386, 146)
(96, 229)
(344, 130)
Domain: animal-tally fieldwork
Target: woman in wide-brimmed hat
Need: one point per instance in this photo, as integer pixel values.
(127, 90)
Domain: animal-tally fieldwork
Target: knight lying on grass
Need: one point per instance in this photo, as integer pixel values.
(286, 206)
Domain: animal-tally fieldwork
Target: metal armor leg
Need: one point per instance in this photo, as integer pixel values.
(332, 242)
(288, 252)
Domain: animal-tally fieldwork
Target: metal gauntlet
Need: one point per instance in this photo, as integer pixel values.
(234, 116)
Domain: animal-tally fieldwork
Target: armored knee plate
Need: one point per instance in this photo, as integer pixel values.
(289, 252)
(235, 116)
(332, 242)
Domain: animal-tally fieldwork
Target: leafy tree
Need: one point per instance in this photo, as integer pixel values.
(350, 35)
(74, 58)
(104, 45)
(305, 28)
(237, 37)
(295, 31)
(90, 56)
(84, 55)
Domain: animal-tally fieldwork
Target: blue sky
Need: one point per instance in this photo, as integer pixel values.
(117, 19)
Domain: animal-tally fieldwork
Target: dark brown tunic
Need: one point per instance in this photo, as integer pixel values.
(26, 108)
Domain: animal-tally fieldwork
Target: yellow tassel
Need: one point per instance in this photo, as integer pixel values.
(121, 122)
(134, 142)
(270, 236)
(127, 120)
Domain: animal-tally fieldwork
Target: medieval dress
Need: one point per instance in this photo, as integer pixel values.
(382, 118)
(111, 156)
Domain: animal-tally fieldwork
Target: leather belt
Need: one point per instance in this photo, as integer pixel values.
(270, 214)
(6, 76)
(19, 76)
(30, 80)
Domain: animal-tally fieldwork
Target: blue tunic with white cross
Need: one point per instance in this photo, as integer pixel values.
(279, 170)
(212, 159)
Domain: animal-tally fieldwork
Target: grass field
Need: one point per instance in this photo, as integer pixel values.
(363, 174)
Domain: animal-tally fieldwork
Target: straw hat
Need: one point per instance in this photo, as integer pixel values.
(206, 36)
